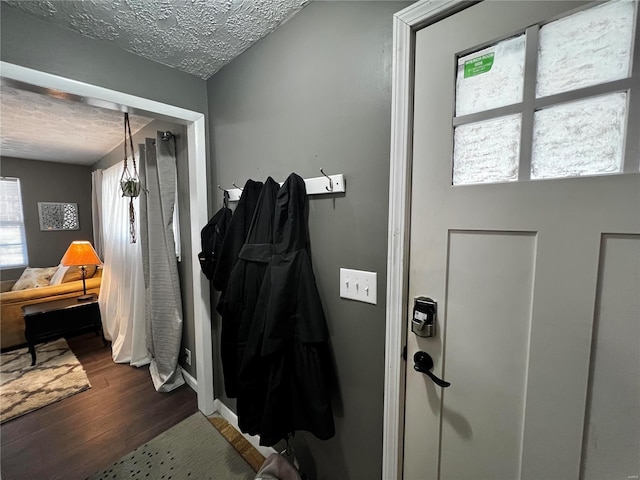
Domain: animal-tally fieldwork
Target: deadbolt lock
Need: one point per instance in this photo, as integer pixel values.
(423, 322)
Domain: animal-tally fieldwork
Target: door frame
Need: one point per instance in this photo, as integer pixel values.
(405, 25)
(196, 151)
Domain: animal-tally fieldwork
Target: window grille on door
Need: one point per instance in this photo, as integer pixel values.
(554, 101)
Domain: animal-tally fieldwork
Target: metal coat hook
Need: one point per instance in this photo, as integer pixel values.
(314, 186)
(330, 187)
(225, 196)
(167, 135)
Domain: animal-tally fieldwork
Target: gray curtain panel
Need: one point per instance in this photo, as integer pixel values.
(96, 211)
(162, 287)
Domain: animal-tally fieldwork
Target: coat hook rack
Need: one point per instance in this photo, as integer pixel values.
(314, 186)
(330, 187)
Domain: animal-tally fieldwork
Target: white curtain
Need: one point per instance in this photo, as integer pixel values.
(122, 292)
(164, 303)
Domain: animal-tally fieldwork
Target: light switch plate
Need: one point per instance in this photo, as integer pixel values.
(359, 285)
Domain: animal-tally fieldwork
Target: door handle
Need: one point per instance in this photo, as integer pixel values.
(423, 363)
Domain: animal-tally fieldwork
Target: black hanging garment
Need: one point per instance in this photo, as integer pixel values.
(236, 235)
(237, 232)
(285, 364)
(238, 301)
(211, 237)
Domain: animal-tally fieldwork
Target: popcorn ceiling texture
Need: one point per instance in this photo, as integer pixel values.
(41, 127)
(196, 36)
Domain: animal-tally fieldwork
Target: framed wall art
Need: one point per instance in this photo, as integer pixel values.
(58, 216)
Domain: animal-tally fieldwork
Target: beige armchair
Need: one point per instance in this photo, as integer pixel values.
(11, 303)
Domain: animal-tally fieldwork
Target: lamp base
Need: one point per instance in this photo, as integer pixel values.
(84, 298)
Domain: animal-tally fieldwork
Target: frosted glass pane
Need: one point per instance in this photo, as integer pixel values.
(580, 138)
(487, 152)
(587, 48)
(491, 78)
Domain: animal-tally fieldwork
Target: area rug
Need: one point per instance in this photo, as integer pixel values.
(192, 450)
(57, 374)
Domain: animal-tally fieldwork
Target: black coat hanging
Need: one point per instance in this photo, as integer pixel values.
(237, 303)
(212, 236)
(228, 255)
(236, 233)
(285, 366)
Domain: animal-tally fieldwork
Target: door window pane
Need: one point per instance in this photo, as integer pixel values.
(587, 48)
(580, 138)
(487, 152)
(491, 78)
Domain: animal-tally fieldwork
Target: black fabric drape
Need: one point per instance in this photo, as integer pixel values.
(235, 238)
(282, 341)
(237, 303)
(236, 234)
(211, 238)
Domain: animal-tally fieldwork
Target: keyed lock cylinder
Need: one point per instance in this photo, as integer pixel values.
(423, 322)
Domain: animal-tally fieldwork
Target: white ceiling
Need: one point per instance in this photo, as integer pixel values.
(195, 36)
(34, 126)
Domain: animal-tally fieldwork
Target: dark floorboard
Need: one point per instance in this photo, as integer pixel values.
(86, 432)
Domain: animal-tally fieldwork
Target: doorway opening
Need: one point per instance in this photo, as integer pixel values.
(37, 81)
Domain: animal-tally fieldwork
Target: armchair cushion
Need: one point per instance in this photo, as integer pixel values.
(34, 278)
(71, 274)
(74, 273)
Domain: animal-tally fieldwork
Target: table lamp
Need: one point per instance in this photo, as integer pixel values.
(80, 254)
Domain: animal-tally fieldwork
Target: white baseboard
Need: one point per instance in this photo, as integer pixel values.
(192, 382)
(228, 414)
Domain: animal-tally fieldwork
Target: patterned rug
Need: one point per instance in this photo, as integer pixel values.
(192, 450)
(57, 374)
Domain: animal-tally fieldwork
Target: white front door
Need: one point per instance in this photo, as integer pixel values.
(525, 229)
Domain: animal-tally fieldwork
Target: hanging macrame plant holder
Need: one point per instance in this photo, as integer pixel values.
(130, 180)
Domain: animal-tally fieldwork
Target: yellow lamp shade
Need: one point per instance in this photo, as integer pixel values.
(80, 253)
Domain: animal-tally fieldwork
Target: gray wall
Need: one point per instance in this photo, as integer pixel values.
(184, 267)
(316, 93)
(49, 182)
(31, 42)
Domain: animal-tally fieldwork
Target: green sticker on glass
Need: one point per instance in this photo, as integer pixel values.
(478, 65)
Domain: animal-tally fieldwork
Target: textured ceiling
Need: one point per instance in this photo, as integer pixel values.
(195, 36)
(41, 127)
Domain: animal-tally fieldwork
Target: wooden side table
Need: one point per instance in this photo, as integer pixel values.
(60, 318)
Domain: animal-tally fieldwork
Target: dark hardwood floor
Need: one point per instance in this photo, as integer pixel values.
(86, 432)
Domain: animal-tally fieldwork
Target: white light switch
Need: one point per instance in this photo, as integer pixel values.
(359, 285)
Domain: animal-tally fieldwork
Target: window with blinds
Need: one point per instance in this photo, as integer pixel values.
(13, 244)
